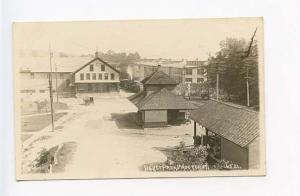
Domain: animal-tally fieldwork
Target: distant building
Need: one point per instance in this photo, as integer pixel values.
(232, 132)
(139, 71)
(70, 76)
(181, 71)
(195, 72)
(96, 76)
(157, 104)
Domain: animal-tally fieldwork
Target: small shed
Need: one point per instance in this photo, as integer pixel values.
(237, 129)
(157, 104)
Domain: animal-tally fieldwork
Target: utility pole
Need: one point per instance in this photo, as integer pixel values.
(56, 83)
(247, 67)
(247, 83)
(50, 88)
(217, 84)
(217, 80)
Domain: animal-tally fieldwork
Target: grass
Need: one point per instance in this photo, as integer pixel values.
(37, 123)
(64, 155)
(46, 157)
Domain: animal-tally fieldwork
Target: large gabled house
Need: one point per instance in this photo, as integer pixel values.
(157, 104)
(70, 76)
(96, 76)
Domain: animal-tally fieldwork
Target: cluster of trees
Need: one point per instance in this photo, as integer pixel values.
(118, 57)
(236, 62)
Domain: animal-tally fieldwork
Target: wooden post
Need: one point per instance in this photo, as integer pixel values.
(247, 83)
(56, 83)
(206, 136)
(217, 86)
(50, 88)
(195, 130)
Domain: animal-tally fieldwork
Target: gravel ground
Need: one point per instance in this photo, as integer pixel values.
(109, 144)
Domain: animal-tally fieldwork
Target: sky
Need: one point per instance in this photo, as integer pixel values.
(176, 39)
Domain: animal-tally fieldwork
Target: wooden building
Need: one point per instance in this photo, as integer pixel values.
(157, 104)
(232, 129)
(96, 76)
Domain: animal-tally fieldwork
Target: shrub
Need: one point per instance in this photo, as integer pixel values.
(43, 158)
(182, 159)
(225, 165)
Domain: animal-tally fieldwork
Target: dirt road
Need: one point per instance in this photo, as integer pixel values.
(109, 144)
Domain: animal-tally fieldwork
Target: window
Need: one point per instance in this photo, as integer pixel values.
(81, 76)
(188, 71)
(91, 67)
(31, 75)
(88, 76)
(61, 75)
(200, 80)
(28, 91)
(112, 76)
(67, 82)
(188, 80)
(100, 76)
(102, 67)
(106, 76)
(201, 71)
(42, 91)
(94, 76)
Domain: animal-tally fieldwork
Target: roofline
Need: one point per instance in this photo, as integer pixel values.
(244, 146)
(155, 72)
(25, 71)
(97, 58)
(166, 109)
(234, 105)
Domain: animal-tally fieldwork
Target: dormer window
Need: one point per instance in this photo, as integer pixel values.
(91, 67)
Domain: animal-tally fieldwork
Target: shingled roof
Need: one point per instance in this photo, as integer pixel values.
(236, 124)
(162, 99)
(158, 77)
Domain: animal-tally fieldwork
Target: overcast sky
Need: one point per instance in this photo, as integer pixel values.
(176, 39)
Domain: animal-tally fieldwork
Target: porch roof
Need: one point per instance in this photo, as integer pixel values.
(235, 123)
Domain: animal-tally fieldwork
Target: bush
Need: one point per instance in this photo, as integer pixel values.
(182, 159)
(225, 165)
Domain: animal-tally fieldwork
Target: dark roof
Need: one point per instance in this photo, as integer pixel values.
(235, 123)
(158, 77)
(162, 99)
(97, 58)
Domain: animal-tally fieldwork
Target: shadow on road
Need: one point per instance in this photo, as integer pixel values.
(125, 120)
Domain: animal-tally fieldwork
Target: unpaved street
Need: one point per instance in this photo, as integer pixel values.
(109, 144)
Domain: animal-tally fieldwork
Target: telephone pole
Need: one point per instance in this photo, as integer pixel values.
(247, 67)
(50, 88)
(217, 84)
(56, 83)
(247, 83)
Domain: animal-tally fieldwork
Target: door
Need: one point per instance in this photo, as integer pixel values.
(90, 88)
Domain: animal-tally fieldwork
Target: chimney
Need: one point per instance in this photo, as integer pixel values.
(96, 54)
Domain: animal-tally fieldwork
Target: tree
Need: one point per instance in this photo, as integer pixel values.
(231, 65)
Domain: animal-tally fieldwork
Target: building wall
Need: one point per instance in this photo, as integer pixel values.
(139, 72)
(97, 87)
(235, 153)
(38, 82)
(153, 118)
(254, 155)
(98, 72)
(195, 75)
